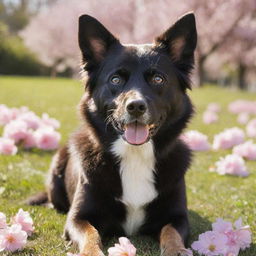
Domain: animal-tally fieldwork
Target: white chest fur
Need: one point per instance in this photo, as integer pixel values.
(136, 170)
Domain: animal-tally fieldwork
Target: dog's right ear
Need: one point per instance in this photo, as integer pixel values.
(94, 41)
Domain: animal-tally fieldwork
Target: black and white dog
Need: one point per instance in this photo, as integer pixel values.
(123, 171)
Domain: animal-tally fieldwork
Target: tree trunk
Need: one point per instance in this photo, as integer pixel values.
(53, 71)
(242, 77)
(201, 72)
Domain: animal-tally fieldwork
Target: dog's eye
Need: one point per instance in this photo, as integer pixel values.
(116, 80)
(157, 79)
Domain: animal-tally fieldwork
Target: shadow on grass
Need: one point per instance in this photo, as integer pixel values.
(146, 246)
(198, 225)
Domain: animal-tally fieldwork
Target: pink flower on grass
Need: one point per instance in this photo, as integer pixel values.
(2, 221)
(16, 130)
(238, 238)
(6, 115)
(228, 138)
(210, 243)
(124, 248)
(196, 140)
(30, 140)
(251, 128)
(31, 119)
(241, 106)
(246, 150)
(24, 219)
(46, 120)
(232, 165)
(243, 118)
(47, 139)
(210, 117)
(7, 147)
(213, 107)
(12, 238)
(244, 236)
(222, 226)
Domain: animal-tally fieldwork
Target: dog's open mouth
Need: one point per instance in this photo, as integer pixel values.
(136, 133)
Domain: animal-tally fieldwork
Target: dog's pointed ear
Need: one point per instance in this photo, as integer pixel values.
(180, 39)
(94, 41)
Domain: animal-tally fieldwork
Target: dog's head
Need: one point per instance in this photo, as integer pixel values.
(137, 89)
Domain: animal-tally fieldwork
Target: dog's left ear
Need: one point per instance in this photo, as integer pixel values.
(94, 41)
(180, 39)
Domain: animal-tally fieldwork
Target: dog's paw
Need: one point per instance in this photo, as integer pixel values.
(98, 253)
(176, 252)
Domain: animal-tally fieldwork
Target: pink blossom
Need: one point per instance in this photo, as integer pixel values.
(222, 226)
(251, 128)
(210, 243)
(29, 141)
(50, 121)
(24, 109)
(238, 238)
(213, 107)
(16, 130)
(12, 238)
(196, 140)
(15, 113)
(125, 247)
(246, 150)
(7, 147)
(228, 138)
(243, 234)
(24, 219)
(31, 119)
(232, 165)
(47, 138)
(210, 117)
(243, 118)
(2, 220)
(6, 115)
(242, 106)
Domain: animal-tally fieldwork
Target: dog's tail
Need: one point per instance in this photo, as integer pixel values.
(38, 199)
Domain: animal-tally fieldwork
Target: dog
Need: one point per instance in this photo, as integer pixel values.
(122, 172)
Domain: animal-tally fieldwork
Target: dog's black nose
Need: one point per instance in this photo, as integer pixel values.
(136, 107)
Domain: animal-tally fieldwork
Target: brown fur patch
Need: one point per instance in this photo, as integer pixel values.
(92, 244)
(171, 242)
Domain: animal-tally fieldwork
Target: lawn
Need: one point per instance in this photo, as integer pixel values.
(209, 195)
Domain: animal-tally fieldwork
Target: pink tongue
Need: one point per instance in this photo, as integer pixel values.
(136, 133)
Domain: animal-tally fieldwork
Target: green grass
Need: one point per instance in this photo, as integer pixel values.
(209, 195)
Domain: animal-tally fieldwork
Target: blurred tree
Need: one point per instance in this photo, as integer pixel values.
(16, 14)
(134, 21)
(240, 48)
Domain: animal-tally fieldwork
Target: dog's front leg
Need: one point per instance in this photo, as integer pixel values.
(85, 236)
(171, 242)
(79, 230)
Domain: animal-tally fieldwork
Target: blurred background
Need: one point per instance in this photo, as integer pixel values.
(39, 37)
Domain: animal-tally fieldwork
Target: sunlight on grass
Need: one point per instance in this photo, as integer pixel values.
(209, 195)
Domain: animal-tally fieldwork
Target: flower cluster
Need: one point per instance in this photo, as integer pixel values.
(246, 150)
(224, 239)
(23, 127)
(196, 140)
(251, 128)
(210, 115)
(14, 237)
(242, 106)
(228, 138)
(231, 165)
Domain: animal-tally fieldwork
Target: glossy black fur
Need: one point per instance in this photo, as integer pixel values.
(170, 110)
